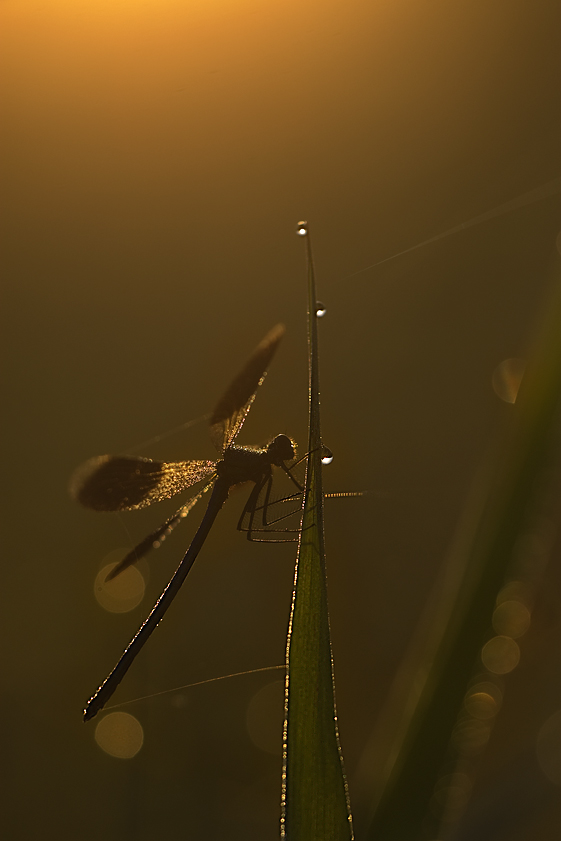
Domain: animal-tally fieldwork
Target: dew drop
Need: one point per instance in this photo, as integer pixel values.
(302, 229)
(327, 455)
(320, 309)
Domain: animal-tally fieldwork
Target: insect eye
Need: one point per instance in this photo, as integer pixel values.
(281, 448)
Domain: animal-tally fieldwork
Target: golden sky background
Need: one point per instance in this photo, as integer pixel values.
(156, 156)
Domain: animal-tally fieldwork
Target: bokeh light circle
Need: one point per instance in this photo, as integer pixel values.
(507, 377)
(500, 655)
(512, 618)
(481, 705)
(124, 592)
(264, 717)
(548, 748)
(470, 735)
(120, 735)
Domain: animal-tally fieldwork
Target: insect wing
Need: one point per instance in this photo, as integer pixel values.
(154, 540)
(123, 483)
(230, 413)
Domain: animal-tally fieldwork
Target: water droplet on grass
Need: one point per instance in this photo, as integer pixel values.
(326, 455)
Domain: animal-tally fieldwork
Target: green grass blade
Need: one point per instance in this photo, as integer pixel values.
(502, 514)
(315, 803)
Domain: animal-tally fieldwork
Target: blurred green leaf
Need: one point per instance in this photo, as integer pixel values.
(315, 797)
(498, 515)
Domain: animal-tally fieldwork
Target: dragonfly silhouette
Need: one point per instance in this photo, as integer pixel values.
(122, 483)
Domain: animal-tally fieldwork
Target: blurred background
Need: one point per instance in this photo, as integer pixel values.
(157, 155)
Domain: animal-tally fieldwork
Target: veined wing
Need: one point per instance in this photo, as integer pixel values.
(154, 540)
(230, 413)
(122, 483)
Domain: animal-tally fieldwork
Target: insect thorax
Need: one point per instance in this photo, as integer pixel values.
(244, 464)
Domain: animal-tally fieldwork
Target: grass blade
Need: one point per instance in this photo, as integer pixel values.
(315, 803)
(501, 516)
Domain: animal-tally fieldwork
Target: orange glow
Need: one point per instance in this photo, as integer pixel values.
(156, 156)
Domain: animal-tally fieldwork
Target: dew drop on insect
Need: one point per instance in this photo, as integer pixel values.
(320, 309)
(302, 229)
(327, 455)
